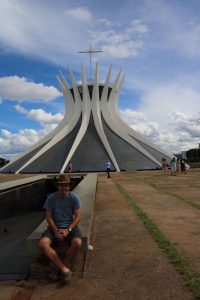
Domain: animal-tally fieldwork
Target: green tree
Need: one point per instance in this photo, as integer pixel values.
(3, 162)
(193, 155)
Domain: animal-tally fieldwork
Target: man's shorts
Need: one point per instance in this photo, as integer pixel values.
(75, 233)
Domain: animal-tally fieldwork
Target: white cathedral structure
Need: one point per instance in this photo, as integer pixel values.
(90, 133)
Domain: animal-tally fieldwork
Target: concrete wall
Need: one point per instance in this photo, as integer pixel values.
(23, 199)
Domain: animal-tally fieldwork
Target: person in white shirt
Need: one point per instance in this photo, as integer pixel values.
(108, 167)
(69, 168)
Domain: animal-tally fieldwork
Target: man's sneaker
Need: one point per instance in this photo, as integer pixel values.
(66, 277)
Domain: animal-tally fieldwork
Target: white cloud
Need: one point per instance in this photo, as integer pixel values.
(138, 26)
(42, 30)
(158, 102)
(40, 115)
(12, 144)
(180, 133)
(140, 123)
(105, 22)
(122, 50)
(80, 13)
(56, 34)
(189, 126)
(121, 42)
(175, 27)
(20, 89)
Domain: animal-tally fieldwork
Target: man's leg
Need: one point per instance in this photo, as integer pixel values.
(72, 250)
(45, 246)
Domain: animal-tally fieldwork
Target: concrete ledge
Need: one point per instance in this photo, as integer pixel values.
(22, 196)
(18, 182)
(86, 191)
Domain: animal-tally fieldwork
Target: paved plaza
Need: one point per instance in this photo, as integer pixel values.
(126, 261)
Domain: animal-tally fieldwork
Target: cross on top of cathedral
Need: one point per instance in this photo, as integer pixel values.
(90, 51)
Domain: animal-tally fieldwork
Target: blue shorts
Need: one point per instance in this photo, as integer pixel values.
(75, 233)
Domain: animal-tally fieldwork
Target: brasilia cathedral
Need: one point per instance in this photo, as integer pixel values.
(90, 133)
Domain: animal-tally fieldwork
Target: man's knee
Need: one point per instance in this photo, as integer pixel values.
(43, 244)
(76, 243)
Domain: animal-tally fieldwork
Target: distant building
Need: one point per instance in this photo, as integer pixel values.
(90, 133)
(184, 155)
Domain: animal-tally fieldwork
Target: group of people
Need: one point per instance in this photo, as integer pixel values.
(177, 166)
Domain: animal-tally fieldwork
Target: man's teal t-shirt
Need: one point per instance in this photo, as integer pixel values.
(62, 209)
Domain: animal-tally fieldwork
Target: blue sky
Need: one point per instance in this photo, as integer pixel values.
(155, 42)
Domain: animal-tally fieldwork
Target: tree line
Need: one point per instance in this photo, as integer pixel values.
(3, 162)
(193, 155)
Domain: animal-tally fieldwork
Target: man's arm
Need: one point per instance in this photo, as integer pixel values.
(77, 217)
(51, 224)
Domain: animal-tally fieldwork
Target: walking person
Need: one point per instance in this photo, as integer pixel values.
(178, 166)
(173, 166)
(183, 167)
(69, 168)
(164, 166)
(62, 215)
(108, 167)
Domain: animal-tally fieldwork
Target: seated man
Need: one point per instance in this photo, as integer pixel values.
(63, 215)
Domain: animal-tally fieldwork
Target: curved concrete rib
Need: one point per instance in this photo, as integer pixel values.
(97, 120)
(104, 95)
(45, 139)
(85, 106)
(131, 132)
(69, 123)
(84, 91)
(110, 119)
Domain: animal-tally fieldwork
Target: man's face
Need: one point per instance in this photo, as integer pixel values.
(63, 189)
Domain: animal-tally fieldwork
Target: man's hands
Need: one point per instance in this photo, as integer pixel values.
(61, 234)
